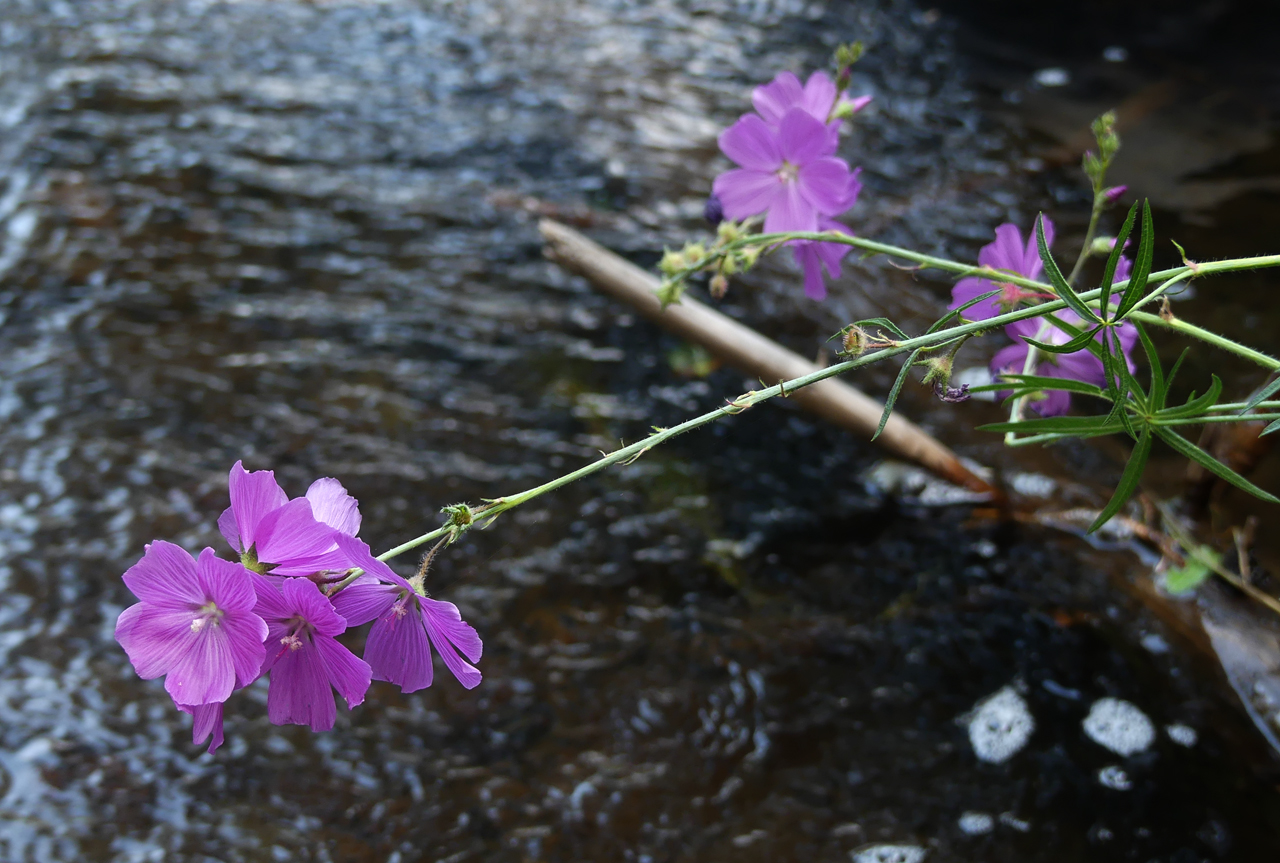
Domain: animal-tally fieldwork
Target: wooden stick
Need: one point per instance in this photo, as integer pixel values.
(749, 351)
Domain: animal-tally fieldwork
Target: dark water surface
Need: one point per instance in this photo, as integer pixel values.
(302, 234)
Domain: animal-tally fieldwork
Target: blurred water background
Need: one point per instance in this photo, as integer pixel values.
(303, 234)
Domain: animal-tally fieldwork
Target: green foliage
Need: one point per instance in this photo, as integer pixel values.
(1192, 573)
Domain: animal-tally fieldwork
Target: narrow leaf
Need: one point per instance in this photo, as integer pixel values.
(956, 312)
(1128, 480)
(1079, 343)
(1080, 426)
(1141, 265)
(1113, 260)
(1211, 464)
(1196, 406)
(1262, 395)
(883, 323)
(1275, 426)
(1042, 383)
(1065, 291)
(1159, 390)
(893, 393)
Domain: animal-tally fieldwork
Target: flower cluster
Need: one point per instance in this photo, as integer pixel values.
(788, 170)
(1011, 254)
(210, 626)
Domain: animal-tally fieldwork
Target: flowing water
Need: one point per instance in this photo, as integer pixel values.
(303, 234)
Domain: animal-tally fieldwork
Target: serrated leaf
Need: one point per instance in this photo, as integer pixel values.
(1189, 576)
(1128, 480)
(1113, 259)
(1065, 292)
(1078, 426)
(883, 323)
(893, 393)
(1211, 464)
(1261, 395)
(1141, 265)
(1079, 343)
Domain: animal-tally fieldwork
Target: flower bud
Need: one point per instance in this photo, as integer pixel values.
(713, 211)
(719, 286)
(671, 263)
(1113, 194)
(939, 371)
(854, 341)
(1101, 246)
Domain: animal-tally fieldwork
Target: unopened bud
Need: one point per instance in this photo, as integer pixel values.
(846, 108)
(1104, 130)
(713, 211)
(719, 286)
(939, 371)
(847, 55)
(854, 341)
(671, 263)
(1113, 194)
(727, 232)
(670, 292)
(1101, 246)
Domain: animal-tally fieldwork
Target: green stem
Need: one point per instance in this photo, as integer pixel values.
(1099, 203)
(494, 508)
(1203, 335)
(1189, 421)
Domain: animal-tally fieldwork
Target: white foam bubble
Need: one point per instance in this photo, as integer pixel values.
(888, 854)
(976, 823)
(1183, 735)
(1115, 778)
(1119, 726)
(1001, 725)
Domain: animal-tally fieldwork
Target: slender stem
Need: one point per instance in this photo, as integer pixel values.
(1239, 406)
(1099, 202)
(1203, 335)
(1188, 421)
(494, 508)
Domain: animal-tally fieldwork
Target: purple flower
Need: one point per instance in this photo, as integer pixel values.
(287, 537)
(303, 656)
(1007, 253)
(817, 98)
(195, 624)
(207, 721)
(814, 256)
(787, 172)
(406, 625)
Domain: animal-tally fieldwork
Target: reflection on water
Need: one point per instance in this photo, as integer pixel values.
(298, 233)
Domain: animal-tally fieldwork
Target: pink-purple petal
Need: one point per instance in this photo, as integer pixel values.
(165, 577)
(300, 693)
(751, 144)
(449, 634)
(230, 530)
(744, 193)
(357, 552)
(348, 673)
(153, 638)
(801, 138)
(364, 600)
(332, 505)
(825, 183)
(253, 495)
(790, 212)
(819, 96)
(774, 99)
(289, 537)
(206, 721)
(398, 649)
(306, 601)
(204, 670)
(228, 584)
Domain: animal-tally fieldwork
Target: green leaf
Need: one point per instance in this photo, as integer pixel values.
(1262, 395)
(1128, 480)
(1211, 464)
(1275, 426)
(897, 388)
(956, 312)
(1065, 291)
(1038, 382)
(1077, 426)
(1159, 390)
(1141, 265)
(1195, 406)
(1113, 260)
(883, 323)
(1080, 342)
(1189, 576)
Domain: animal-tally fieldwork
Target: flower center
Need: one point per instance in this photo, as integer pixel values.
(206, 615)
(788, 173)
